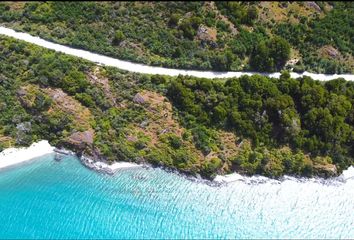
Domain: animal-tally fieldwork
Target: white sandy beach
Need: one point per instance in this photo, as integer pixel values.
(14, 156)
(145, 69)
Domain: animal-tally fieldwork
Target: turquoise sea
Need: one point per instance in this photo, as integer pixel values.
(48, 199)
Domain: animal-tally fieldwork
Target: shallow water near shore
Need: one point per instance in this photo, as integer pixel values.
(49, 199)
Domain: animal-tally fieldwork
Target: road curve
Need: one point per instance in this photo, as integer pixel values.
(140, 68)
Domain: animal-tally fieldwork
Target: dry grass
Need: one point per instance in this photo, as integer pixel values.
(329, 52)
(14, 6)
(211, 7)
(160, 117)
(6, 141)
(62, 101)
(96, 78)
(159, 113)
(272, 11)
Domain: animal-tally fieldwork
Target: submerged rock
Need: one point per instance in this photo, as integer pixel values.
(58, 157)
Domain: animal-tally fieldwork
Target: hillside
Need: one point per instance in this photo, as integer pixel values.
(238, 36)
(253, 125)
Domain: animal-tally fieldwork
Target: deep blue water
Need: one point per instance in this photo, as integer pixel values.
(48, 199)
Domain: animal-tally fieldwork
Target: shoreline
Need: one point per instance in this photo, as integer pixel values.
(106, 168)
(146, 69)
(16, 156)
(236, 177)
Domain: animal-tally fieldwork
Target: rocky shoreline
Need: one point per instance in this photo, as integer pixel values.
(103, 167)
(94, 163)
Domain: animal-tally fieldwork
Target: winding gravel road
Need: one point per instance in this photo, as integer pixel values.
(140, 68)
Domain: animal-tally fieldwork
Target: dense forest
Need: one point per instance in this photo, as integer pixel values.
(253, 125)
(302, 114)
(261, 36)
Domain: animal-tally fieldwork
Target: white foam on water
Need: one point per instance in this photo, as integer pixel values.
(145, 69)
(348, 174)
(228, 178)
(256, 179)
(15, 156)
(115, 166)
(122, 165)
(105, 167)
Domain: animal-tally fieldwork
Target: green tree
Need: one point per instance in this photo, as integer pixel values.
(174, 19)
(270, 55)
(250, 16)
(118, 37)
(279, 51)
(42, 102)
(222, 61)
(260, 59)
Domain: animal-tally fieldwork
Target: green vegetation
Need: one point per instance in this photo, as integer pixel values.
(239, 13)
(335, 29)
(118, 37)
(303, 114)
(271, 55)
(199, 35)
(253, 125)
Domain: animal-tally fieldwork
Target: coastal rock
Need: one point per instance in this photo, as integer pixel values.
(207, 36)
(24, 127)
(166, 130)
(66, 103)
(21, 92)
(144, 124)
(105, 167)
(292, 62)
(131, 138)
(138, 98)
(58, 157)
(326, 170)
(80, 139)
(22, 132)
(314, 6)
(332, 52)
(95, 77)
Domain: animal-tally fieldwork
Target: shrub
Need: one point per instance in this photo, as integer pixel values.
(118, 37)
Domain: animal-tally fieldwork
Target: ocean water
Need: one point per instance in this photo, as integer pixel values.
(48, 199)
